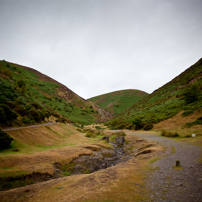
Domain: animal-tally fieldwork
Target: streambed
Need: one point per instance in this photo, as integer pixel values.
(101, 158)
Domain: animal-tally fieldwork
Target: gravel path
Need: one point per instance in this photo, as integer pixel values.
(44, 124)
(169, 184)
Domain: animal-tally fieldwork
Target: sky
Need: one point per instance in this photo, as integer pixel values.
(99, 46)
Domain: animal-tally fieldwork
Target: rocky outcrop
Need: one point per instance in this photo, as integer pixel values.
(104, 114)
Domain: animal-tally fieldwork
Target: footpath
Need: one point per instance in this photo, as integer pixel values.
(169, 183)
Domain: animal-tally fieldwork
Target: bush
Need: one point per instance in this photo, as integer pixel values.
(129, 126)
(169, 134)
(21, 83)
(191, 94)
(7, 113)
(35, 114)
(120, 126)
(120, 134)
(3, 118)
(25, 120)
(188, 112)
(148, 126)
(138, 124)
(7, 73)
(5, 140)
(197, 122)
(91, 134)
(61, 120)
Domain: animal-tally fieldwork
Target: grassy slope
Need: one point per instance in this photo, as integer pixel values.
(167, 101)
(118, 101)
(46, 92)
(39, 147)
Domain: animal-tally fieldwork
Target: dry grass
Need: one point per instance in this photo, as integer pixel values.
(177, 121)
(123, 182)
(42, 146)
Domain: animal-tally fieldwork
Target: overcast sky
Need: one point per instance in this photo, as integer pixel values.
(99, 46)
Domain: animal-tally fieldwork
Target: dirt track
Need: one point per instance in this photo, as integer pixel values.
(44, 124)
(170, 184)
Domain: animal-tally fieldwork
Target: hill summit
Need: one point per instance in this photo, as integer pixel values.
(118, 101)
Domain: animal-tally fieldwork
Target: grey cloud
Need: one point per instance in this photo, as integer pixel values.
(98, 46)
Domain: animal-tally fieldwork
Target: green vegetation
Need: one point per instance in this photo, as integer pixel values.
(5, 184)
(118, 101)
(29, 97)
(191, 94)
(136, 124)
(5, 140)
(197, 122)
(169, 134)
(183, 93)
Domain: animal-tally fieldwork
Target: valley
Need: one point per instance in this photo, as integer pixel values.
(62, 160)
(120, 146)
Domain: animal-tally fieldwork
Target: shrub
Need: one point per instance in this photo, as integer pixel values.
(61, 119)
(41, 114)
(7, 73)
(90, 133)
(5, 140)
(197, 122)
(191, 94)
(120, 126)
(47, 114)
(35, 114)
(21, 83)
(3, 118)
(169, 134)
(120, 134)
(25, 120)
(36, 105)
(138, 124)
(9, 113)
(148, 126)
(129, 126)
(188, 112)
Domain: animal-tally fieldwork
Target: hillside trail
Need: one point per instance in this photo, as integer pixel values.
(31, 126)
(167, 182)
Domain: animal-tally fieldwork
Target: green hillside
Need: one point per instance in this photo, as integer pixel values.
(118, 101)
(28, 96)
(183, 93)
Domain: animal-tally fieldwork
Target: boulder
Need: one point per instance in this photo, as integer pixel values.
(120, 141)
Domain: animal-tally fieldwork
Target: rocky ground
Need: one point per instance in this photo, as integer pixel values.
(170, 183)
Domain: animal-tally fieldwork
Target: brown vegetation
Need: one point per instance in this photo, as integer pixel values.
(125, 181)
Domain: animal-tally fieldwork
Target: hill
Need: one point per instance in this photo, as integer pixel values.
(181, 96)
(28, 96)
(118, 101)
